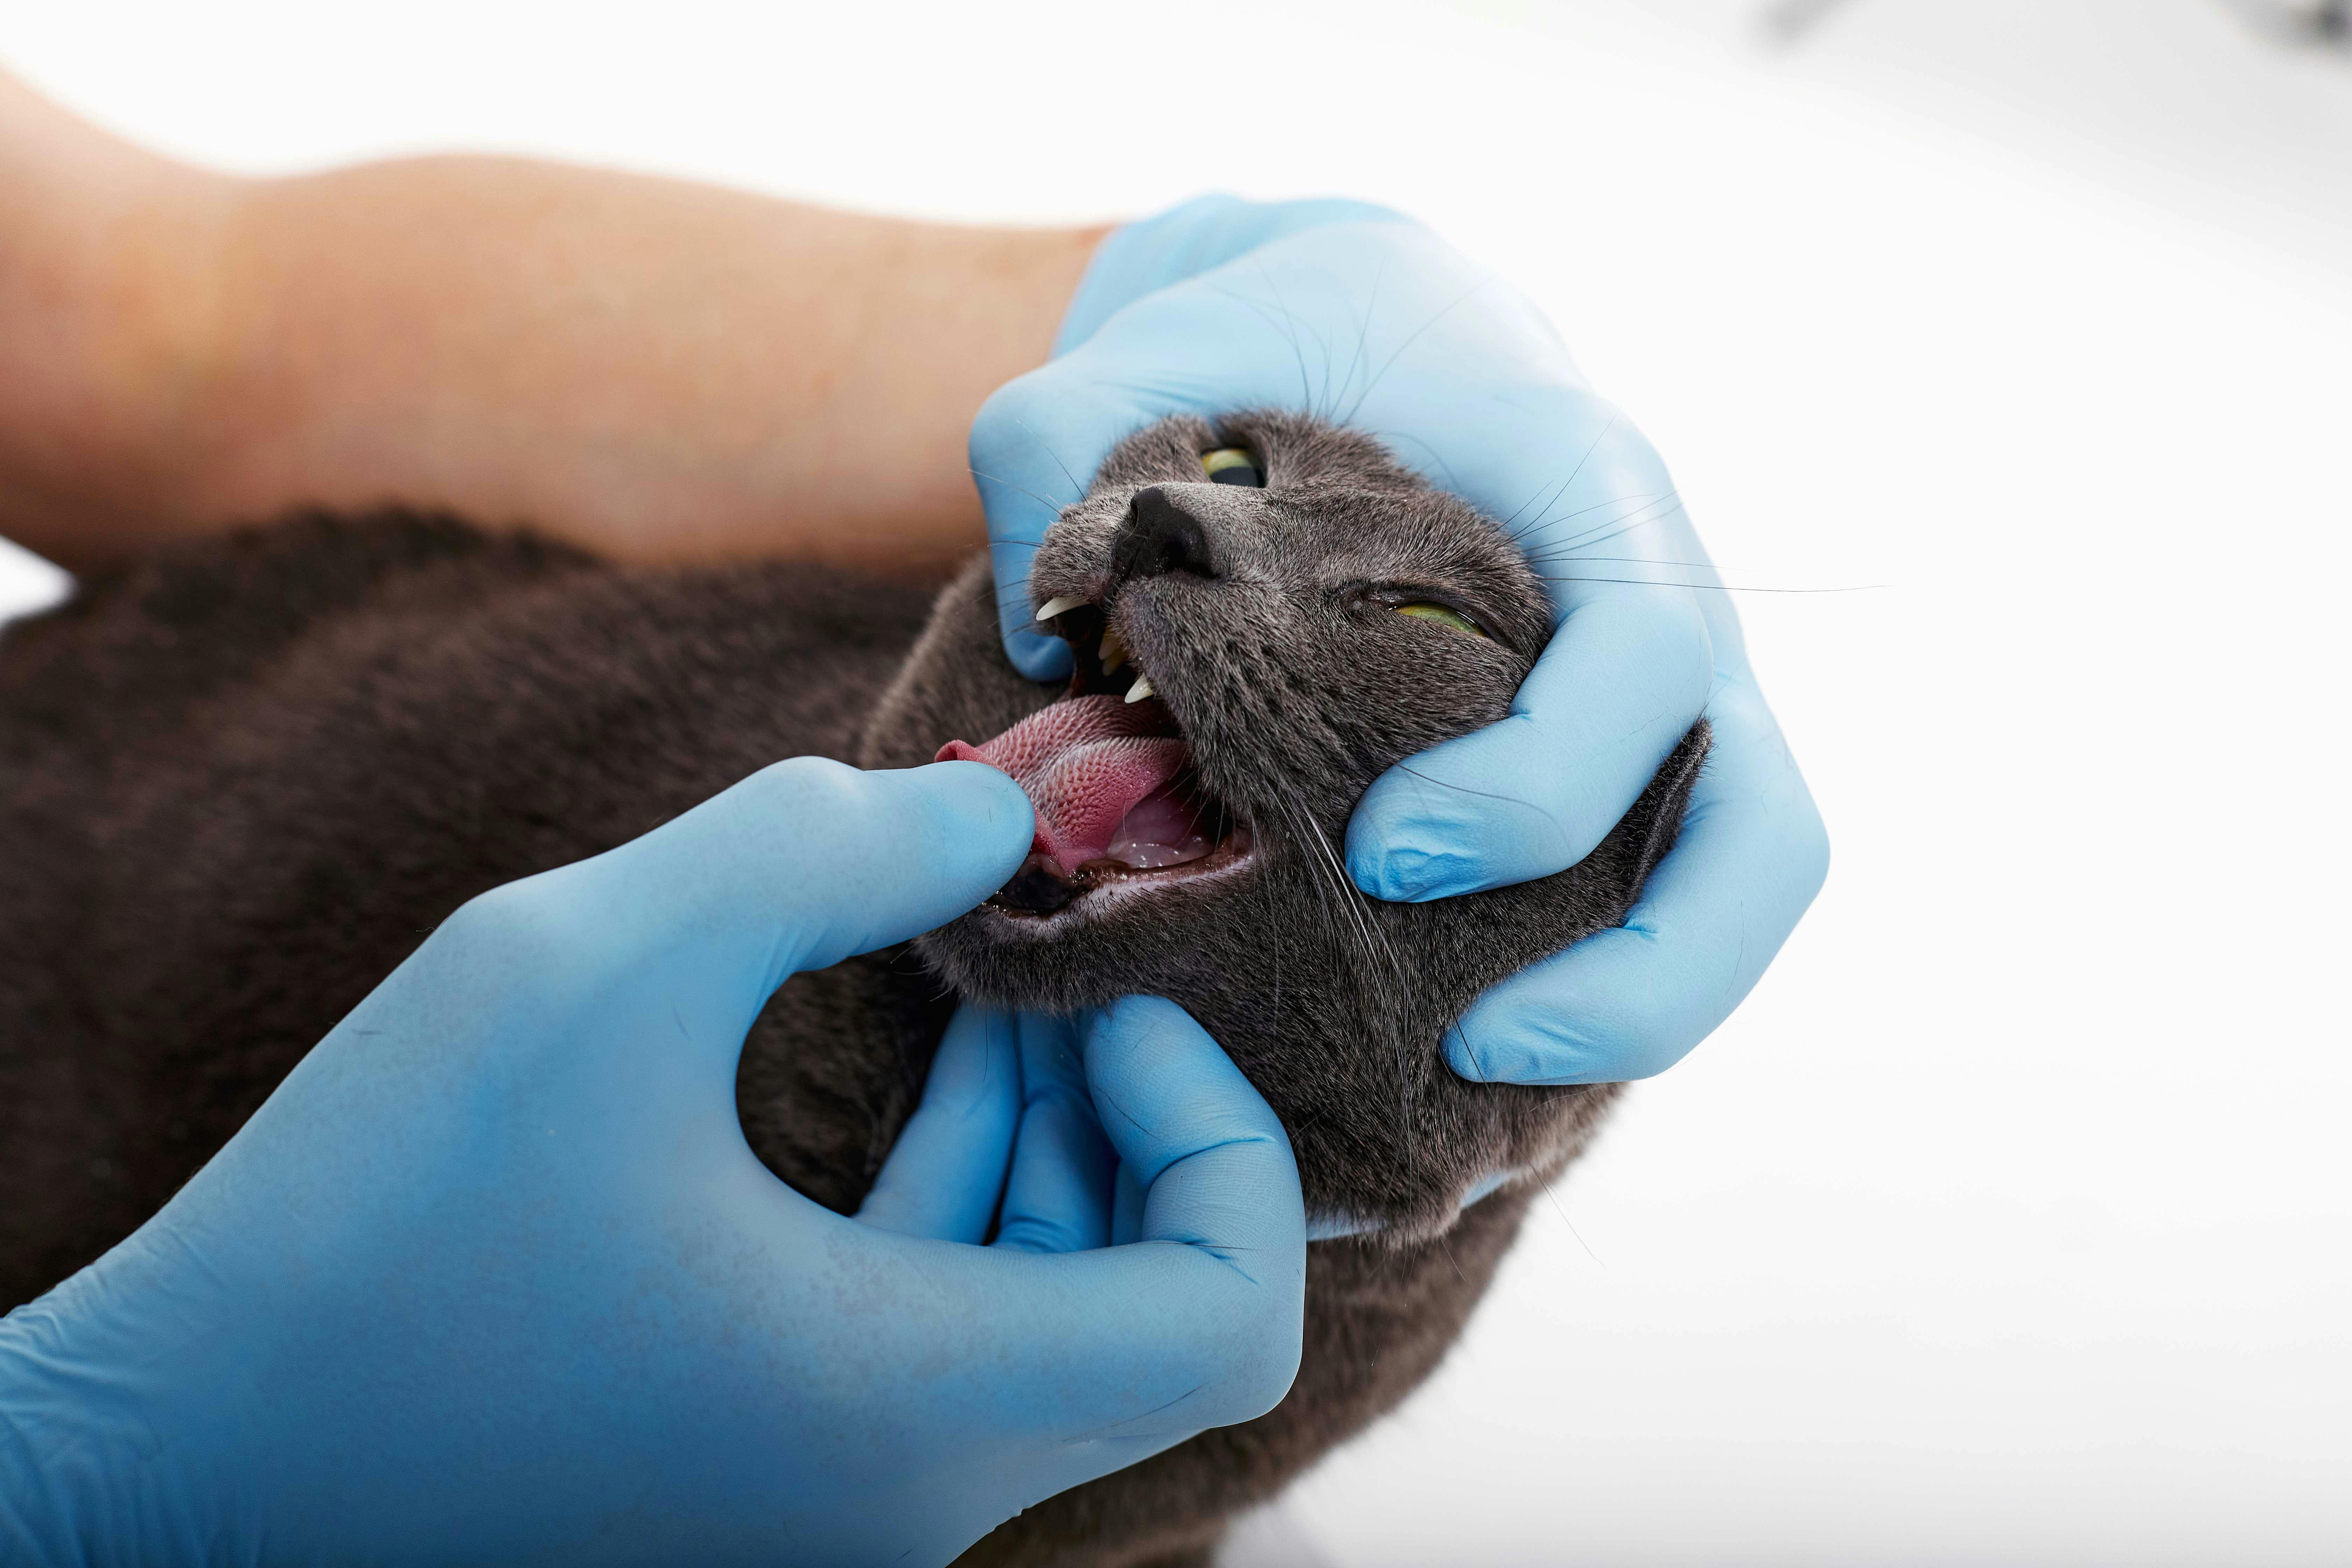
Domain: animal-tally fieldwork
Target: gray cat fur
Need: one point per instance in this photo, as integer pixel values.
(240, 782)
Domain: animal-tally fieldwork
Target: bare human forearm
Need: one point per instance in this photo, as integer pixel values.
(653, 369)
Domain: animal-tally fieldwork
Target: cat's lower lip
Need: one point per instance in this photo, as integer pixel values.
(1037, 893)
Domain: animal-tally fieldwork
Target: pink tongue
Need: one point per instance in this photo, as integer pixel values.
(1085, 762)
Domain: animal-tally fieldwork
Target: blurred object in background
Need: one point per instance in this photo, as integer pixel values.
(2234, 115)
(1788, 21)
(2318, 24)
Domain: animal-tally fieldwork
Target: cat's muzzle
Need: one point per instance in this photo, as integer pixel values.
(1110, 776)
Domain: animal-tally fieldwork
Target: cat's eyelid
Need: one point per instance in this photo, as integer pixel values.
(1234, 466)
(1444, 615)
(1404, 596)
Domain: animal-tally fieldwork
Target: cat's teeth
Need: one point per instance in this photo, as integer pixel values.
(1114, 652)
(1141, 689)
(1056, 605)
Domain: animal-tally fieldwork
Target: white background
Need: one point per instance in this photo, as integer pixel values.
(2007, 1222)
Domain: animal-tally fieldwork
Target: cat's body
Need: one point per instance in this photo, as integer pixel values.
(241, 783)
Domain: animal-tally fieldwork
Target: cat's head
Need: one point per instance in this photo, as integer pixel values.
(1265, 616)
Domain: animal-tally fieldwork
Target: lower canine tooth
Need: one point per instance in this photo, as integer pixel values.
(1114, 652)
(1056, 605)
(1141, 689)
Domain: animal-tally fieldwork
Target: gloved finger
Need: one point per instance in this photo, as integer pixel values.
(1145, 257)
(1058, 1196)
(1213, 1290)
(1629, 1003)
(1090, 1361)
(1207, 1151)
(1125, 1207)
(1622, 679)
(698, 922)
(1198, 1324)
(825, 859)
(948, 1171)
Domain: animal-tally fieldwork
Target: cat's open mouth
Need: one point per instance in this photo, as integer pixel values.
(1107, 768)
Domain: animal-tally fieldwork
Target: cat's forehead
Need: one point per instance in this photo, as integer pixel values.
(1324, 494)
(1290, 451)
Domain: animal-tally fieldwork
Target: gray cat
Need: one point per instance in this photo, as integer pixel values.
(239, 783)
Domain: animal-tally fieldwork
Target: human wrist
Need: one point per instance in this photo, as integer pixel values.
(997, 297)
(108, 306)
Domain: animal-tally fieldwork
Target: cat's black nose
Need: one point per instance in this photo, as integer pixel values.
(1160, 537)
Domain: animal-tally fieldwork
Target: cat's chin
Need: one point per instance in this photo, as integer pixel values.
(1113, 931)
(1040, 894)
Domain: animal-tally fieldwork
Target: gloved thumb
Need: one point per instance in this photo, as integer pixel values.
(694, 925)
(811, 860)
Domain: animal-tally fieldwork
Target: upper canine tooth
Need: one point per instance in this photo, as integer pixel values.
(1114, 652)
(1141, 689)
(1056, 605)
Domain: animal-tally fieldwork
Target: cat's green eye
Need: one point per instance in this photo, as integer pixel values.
(1422, 611)
(1232, 465)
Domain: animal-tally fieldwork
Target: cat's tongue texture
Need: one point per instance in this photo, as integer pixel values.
(1085, 762)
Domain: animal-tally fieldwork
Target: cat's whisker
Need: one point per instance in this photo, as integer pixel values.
(1346, 895)
(1551, 494)
(1363, 331)
(1386, 967)
(1445, 471)
(1078, 490)
(1303, 831)
(1717, 587)
(1624, 522)
(1574, 549)
(1289, 330)
(1373, 936)
(1632, 561)
(1562, 1211)
(1449, 1258)
(1411, 338)
(1561, 488)
(1054, 506)
(1538, 548)
(1625, 504)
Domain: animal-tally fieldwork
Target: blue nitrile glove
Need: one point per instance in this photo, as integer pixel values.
(494, 1277)
(1365, 317)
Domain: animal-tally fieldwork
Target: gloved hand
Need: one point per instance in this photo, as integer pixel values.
(1362, 317)
(494, 1277)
